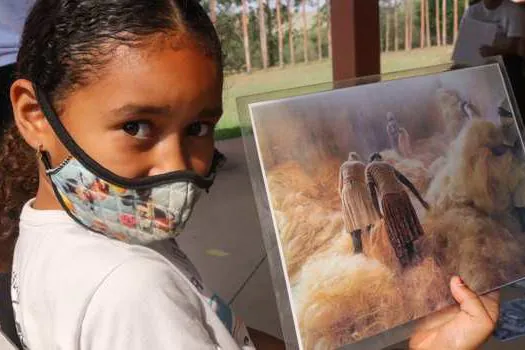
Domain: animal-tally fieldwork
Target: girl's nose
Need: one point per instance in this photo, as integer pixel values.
(169, 156)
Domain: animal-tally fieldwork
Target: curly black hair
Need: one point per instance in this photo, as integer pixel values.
(66, 42)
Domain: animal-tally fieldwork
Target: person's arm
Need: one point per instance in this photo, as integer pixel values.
(511, 47)
(144, 304)
(465, 326)
(373, 193)
(412, 188)
(515, 34)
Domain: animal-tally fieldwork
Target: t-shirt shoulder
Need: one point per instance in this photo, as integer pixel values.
(144, 304)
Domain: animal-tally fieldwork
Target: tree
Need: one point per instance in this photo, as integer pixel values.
(246, 40)
(396, 28)
(456, 19)
(262, 34)
(411, 27)
(280, 32)
(271, 37)
(408, 25)
(422, 26)
(290, 6)
(305, 31)
(438, 25)
(329, 29)
(387, 34)
(213, 11)
(427, 23)
(319, 38)
(444, 33)
(229, 29)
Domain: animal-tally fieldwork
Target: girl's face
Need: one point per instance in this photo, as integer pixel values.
(151, 110)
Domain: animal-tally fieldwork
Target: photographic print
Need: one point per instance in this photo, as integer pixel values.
(380, 193)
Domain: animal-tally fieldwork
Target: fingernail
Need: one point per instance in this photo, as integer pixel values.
(460, 281)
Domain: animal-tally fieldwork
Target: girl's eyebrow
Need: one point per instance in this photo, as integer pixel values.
(141, 110)
(149, 110)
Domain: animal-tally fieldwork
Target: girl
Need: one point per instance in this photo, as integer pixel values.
(119, 99)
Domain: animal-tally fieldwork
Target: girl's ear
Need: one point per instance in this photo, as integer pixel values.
(29, 118)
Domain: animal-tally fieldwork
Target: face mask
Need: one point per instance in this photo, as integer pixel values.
(136, 211)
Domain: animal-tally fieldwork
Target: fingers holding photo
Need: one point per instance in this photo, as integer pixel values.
(464, 326)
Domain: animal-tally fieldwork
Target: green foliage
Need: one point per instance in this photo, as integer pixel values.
(229, 28)
(230, 32)
(388, 6)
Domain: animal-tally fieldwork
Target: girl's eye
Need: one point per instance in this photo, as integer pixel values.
(199, 129)
(141, 130)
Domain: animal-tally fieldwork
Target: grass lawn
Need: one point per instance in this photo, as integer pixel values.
(310, 74)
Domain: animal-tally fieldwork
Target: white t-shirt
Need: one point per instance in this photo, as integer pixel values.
(509, 17)
(78, 290)
(5, 343)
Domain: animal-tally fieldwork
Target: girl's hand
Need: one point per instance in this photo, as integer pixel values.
(462, 327)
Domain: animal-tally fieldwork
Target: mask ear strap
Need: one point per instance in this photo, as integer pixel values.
(214, 166)
(217, 157)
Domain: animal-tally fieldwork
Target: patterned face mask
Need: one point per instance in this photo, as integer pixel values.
(136, 211)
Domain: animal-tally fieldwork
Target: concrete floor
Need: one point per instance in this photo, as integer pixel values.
(224, 241)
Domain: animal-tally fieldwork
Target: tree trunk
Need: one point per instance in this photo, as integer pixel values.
(411, 31)
(213, 11)
(408, 39)
(329, 29)
(387, 34)
(456, 19)
(246, 37)
(262, 34)
(279, 32)
(305, 31)
(290, 31)
(444, 39)
(466, 4)
(422, 24)
(319, 38)
(270, 29)
(396, 29)
(427, 23)
(438, 23)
